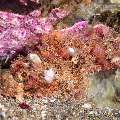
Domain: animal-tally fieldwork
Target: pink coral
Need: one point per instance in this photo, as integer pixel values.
(101, 30)
(19, 30)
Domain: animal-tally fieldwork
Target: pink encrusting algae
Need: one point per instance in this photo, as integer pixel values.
(16, 31)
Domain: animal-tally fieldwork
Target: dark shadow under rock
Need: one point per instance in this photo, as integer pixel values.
(5, 61)
(16, 7)
(107, 17)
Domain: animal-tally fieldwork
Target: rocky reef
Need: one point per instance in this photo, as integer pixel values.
(49, 51)
(62, 62)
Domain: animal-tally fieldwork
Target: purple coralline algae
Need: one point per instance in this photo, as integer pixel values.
(79, 30)
(17, 31)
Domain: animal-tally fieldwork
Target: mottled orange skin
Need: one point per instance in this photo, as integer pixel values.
(87, 2)
(63, 53)
(100, 56)
(93, 57)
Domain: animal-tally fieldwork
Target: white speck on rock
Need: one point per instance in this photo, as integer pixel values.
(45, 100)
(34, 58)
(49, 75)
(71, 51)
(91, 112)
(87, 105)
